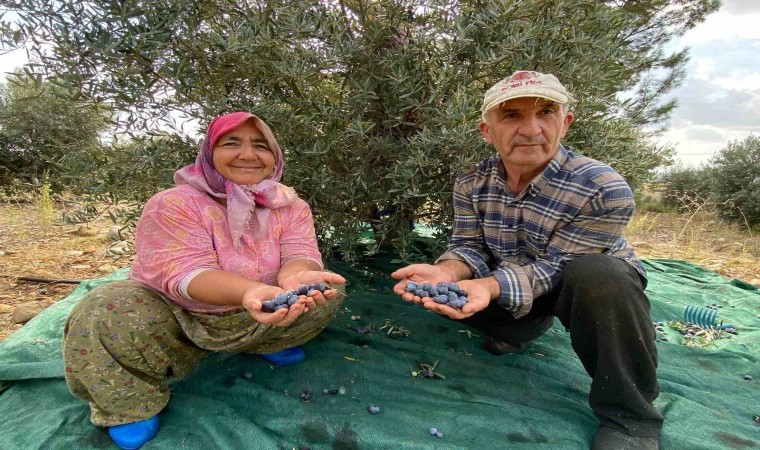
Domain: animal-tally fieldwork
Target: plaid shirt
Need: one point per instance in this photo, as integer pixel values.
(575, 206)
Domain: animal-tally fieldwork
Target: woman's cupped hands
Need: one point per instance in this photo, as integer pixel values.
(307, 277)
(254, 298)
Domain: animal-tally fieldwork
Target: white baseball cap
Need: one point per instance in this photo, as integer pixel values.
(525, 83)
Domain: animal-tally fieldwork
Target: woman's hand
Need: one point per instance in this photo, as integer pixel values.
(257, 295)
(316, 298)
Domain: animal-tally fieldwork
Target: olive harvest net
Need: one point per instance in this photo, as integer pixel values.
(375, 353)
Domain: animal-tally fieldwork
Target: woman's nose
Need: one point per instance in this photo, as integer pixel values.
(248, 151)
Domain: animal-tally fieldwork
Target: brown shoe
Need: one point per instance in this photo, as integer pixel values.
(497, 347)
(610, 439)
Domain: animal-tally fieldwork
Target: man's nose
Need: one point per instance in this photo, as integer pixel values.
(530, 126)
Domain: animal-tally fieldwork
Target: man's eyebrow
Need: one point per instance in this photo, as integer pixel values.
(508, 110)
(549, 104)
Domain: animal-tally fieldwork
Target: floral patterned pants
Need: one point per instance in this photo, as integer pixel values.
(123, 341)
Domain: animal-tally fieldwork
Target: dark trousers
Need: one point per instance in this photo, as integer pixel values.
(601, 301)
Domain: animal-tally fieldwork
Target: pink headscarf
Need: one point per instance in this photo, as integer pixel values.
(248, 206)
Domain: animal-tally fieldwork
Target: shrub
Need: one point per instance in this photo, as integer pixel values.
(682, 187)
(736, 181)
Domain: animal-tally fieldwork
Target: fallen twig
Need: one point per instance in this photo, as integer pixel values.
(47, 280)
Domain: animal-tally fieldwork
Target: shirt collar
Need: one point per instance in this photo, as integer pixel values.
(549, 172)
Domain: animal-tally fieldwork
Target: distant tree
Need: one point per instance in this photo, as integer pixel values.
(736, 180)
(688, 187)
(122, 174)
(376, 102)
(41, 130)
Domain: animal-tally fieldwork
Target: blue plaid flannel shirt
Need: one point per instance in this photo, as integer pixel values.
(575, 206)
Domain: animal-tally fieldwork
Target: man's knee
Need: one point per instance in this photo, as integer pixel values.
(600, 272)
(594, 266)
(599, 282)
(121, 300)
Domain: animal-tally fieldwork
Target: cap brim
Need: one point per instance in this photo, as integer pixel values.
(548, 94)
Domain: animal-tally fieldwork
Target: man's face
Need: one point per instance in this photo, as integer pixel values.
(526, 131)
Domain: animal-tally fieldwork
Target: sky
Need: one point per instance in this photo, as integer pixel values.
(719, 100)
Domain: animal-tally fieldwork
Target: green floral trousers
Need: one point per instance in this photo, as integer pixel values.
(123, 341)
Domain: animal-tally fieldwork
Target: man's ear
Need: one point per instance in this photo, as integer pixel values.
(485, 131)
(567, 121)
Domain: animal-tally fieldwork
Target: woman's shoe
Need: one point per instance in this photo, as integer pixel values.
(132, 436)
(285, 357)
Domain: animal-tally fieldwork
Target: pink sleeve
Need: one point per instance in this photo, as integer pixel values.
(171, 243)
(299, 239)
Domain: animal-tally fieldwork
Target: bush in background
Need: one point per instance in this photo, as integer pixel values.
(736, 181)
(682, 187)
(42, 128)
(122, 176)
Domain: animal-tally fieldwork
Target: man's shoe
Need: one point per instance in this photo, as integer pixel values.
(497, 347)
(611, 439)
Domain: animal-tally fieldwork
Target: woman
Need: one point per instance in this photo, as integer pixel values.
(209, 251)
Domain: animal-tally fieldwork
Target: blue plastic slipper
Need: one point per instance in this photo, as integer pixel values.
(285, 357)
(132, 436)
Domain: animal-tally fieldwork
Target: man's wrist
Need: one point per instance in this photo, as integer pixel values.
(455, 269)
(494, 289)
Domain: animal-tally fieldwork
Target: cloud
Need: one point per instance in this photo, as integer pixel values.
(726, 55)
(738, 7)
(722, 87)
(707, 102)
(704, 134)
(719, 100)
(726, 26)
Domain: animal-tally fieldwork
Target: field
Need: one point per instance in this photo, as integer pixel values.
(34, 244)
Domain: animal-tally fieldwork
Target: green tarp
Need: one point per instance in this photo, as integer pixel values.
(537, 399)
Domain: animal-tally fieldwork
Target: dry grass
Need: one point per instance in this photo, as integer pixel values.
(30, 247)
(730, 250)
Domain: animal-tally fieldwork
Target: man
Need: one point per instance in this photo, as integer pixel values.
(538, 233)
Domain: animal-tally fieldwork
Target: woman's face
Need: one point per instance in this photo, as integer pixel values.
(243, 155)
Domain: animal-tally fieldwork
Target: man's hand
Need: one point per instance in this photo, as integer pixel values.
(256, 296)
(478, 299)
(419, 273)
(314, 276)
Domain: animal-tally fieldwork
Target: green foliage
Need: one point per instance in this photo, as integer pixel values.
(123, 176)
(730, 183)
(376, 102)
(41, 129)
(683, 187)
(619, 143)
(647, 202)
(736, 181)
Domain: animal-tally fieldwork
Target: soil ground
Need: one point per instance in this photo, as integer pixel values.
(29, 248)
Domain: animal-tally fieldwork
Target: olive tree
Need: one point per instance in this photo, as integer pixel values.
(376, 102)
(42, 131)
(735, 176)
